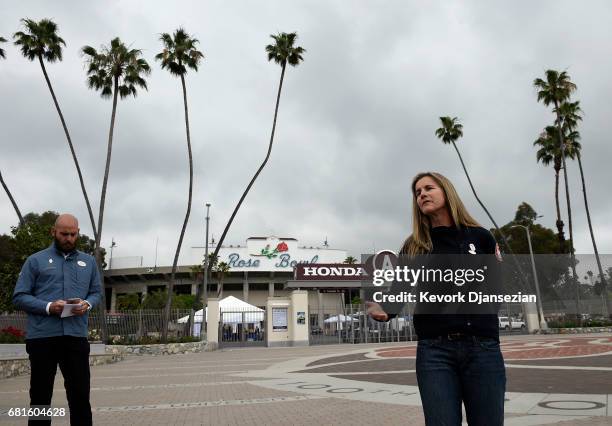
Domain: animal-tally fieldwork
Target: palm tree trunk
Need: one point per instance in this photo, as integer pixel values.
(220, 285)
(569, 214)
(74, 157)
(478, 199)
(98, 253)
(600, 269)
(244, 194)
(180, 242)
(516, 264)
(559, 223)
(21, 221)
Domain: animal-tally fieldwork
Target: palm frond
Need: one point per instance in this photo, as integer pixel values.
(115, 63)
(39, 40)
(283, 50)
(2, 52)
(450, 131)
(179, 53)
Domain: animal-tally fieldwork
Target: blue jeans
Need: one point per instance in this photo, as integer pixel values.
(452, 371)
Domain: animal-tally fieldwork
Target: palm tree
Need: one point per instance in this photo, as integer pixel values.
(2, 53)
(350, 260)
(555, 90)
(13, 202)
(115, 71)
(179, 54)
(282, 52)
(221, 269)
(449, 133)
(550, 152)
(41, 42)
(19, 215)
(570, 113)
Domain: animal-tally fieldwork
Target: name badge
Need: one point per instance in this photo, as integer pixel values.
(81, 263)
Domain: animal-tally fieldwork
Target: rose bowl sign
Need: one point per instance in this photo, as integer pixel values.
(270, 254)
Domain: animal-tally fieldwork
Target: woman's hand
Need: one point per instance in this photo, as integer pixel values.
(376, 311)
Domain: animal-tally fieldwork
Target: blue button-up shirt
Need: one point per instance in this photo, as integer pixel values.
(51, 275)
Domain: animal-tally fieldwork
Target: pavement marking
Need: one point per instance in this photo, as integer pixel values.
(586, 405)
(365, 373)
(200, 404)
(540, 419)
(191, 367)
(558, 367)
(141, 387)
(193, 373)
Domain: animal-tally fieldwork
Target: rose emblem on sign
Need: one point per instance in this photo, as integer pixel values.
(270, 253)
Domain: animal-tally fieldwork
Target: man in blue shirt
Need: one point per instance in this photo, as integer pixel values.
(57, 334)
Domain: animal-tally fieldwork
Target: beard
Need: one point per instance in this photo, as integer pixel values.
(66, 247)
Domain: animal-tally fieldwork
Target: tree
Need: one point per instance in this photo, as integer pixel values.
(556, 89)
(350, 260)
(549, 152)
(570, 114)
(550, 268)
(41, 42)
(179, 54)
(4, 185)
(2, 52)
(13, 202)
(24, 240)
(449, 133)
(282, 52)
(221, 269)
(525, 214)
(116, 72)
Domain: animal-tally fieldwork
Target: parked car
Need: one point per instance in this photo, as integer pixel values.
(507, 324)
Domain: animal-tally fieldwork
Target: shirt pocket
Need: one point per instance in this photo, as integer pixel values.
(80, 285)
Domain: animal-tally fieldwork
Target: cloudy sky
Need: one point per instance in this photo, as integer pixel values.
(356, 121)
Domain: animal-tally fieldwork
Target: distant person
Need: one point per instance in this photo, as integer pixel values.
(458, 354)
(50, 279)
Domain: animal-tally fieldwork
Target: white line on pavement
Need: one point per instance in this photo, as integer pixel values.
(200, 404)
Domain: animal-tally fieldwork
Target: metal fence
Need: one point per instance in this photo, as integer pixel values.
(135, 326)
(242, 328)
(349, 323)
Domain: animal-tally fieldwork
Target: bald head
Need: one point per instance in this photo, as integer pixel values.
(65, 232)
(66, 219)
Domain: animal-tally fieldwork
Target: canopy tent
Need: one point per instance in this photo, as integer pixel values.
(339, 318)
(232, 309)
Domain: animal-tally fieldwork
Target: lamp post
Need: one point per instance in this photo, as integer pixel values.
(206, 258)
(543, 324)
(112, 246)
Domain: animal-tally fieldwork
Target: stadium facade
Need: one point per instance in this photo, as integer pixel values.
(262, 268)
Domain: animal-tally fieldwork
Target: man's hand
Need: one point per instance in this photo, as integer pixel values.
(375, 311)
(81, 309)
(56, 308)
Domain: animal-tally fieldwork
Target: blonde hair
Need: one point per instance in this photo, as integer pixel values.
(420, 240)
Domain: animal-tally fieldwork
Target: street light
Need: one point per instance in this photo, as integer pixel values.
(113, 245)
(206, 256)
(543, 324)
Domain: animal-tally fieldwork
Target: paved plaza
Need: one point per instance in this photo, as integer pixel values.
(563, 380)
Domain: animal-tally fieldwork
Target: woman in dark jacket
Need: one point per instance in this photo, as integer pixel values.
(458, 354)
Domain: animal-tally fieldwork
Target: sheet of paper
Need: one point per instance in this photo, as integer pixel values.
(67, 312)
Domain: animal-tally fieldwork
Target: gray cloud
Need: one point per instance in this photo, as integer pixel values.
(356, 121)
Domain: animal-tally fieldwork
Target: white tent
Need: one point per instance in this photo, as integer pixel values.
(339, 318)
(232, 309)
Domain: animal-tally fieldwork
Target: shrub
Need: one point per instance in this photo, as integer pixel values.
(11, 335)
